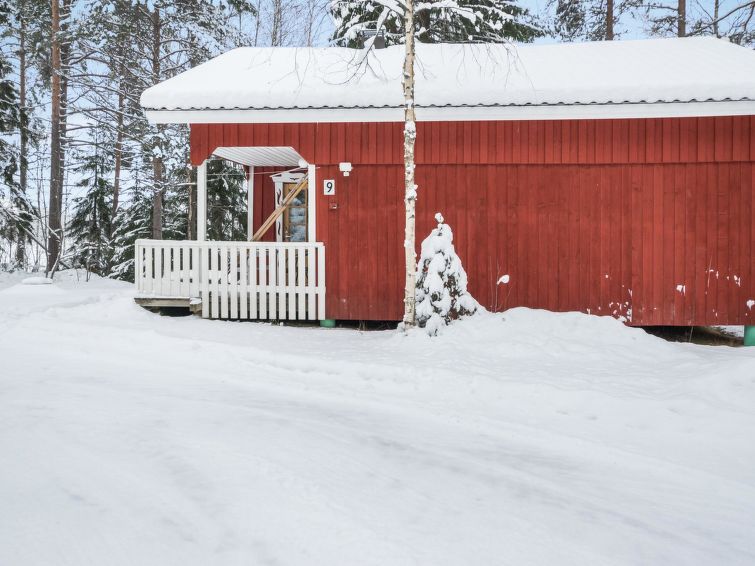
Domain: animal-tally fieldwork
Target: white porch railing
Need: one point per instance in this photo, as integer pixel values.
(237, 280)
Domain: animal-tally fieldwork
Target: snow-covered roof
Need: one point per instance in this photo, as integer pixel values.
(659, 77)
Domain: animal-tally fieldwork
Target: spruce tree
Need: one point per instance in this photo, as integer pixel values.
(132, 222)
(9, 114)
(226, 207)
(90, 226)
(442, 294)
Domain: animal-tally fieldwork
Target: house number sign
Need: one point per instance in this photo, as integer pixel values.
(329, 187)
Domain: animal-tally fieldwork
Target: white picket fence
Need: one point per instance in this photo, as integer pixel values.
(236, 280)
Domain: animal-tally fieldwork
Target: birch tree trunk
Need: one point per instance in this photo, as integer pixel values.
(410, 188)
(23, 165)
(54, 219)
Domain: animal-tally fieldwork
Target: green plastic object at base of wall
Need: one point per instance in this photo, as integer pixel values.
(749, 335)
(328, 323)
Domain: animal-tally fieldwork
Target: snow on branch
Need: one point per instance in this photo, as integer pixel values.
(436, 21)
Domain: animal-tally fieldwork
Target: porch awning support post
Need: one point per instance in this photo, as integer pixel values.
(250, 202)
(202, 202)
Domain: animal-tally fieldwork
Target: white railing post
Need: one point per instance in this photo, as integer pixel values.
(202, 202)
(138, 264)
(200, 261)
(320, 282)
(250, 204)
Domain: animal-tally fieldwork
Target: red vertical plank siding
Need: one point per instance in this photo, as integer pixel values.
(748, 233)
(556, 205)
(688, 239)
(698, 234)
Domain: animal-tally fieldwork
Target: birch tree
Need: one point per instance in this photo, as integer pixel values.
(410, 188)
(399, 21)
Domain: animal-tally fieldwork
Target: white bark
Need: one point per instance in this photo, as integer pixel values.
(410, 188)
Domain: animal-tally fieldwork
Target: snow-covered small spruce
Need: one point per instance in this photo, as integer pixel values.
(442, 294)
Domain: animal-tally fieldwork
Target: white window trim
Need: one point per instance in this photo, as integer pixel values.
(311, 202)
(279, 179)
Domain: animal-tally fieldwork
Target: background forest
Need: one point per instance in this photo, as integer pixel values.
(82, 173)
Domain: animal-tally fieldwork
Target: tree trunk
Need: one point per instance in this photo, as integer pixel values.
(65, 59)
(118, 150)
(410, 188)
(682, 18)
(716, 9)
(276, 33)
(157, 199)
(23, 165)
(55, 234)
(157, 159)
(609, 20)
(257, 22)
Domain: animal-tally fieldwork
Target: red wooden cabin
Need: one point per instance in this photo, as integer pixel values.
(608, 178)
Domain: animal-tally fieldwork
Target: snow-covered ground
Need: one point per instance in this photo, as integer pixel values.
(522, 438)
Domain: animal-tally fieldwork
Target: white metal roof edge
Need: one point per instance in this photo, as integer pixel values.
(457, 114)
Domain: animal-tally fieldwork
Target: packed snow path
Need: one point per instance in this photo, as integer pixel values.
(523, 438)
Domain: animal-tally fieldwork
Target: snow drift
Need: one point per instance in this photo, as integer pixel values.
(523, 438)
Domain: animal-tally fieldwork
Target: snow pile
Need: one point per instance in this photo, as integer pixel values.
(442, 294)
(523, 438)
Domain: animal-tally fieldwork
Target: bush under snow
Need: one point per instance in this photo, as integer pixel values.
(441, 281)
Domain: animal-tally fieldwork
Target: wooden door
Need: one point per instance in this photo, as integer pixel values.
(295, 217)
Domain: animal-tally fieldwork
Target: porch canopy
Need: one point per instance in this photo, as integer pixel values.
(249, 158)
(282, 279)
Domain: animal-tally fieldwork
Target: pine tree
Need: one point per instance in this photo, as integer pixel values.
(570, 21)
(62, 46)
(442, 294)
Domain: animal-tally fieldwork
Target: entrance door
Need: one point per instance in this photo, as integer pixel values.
(295, 216)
